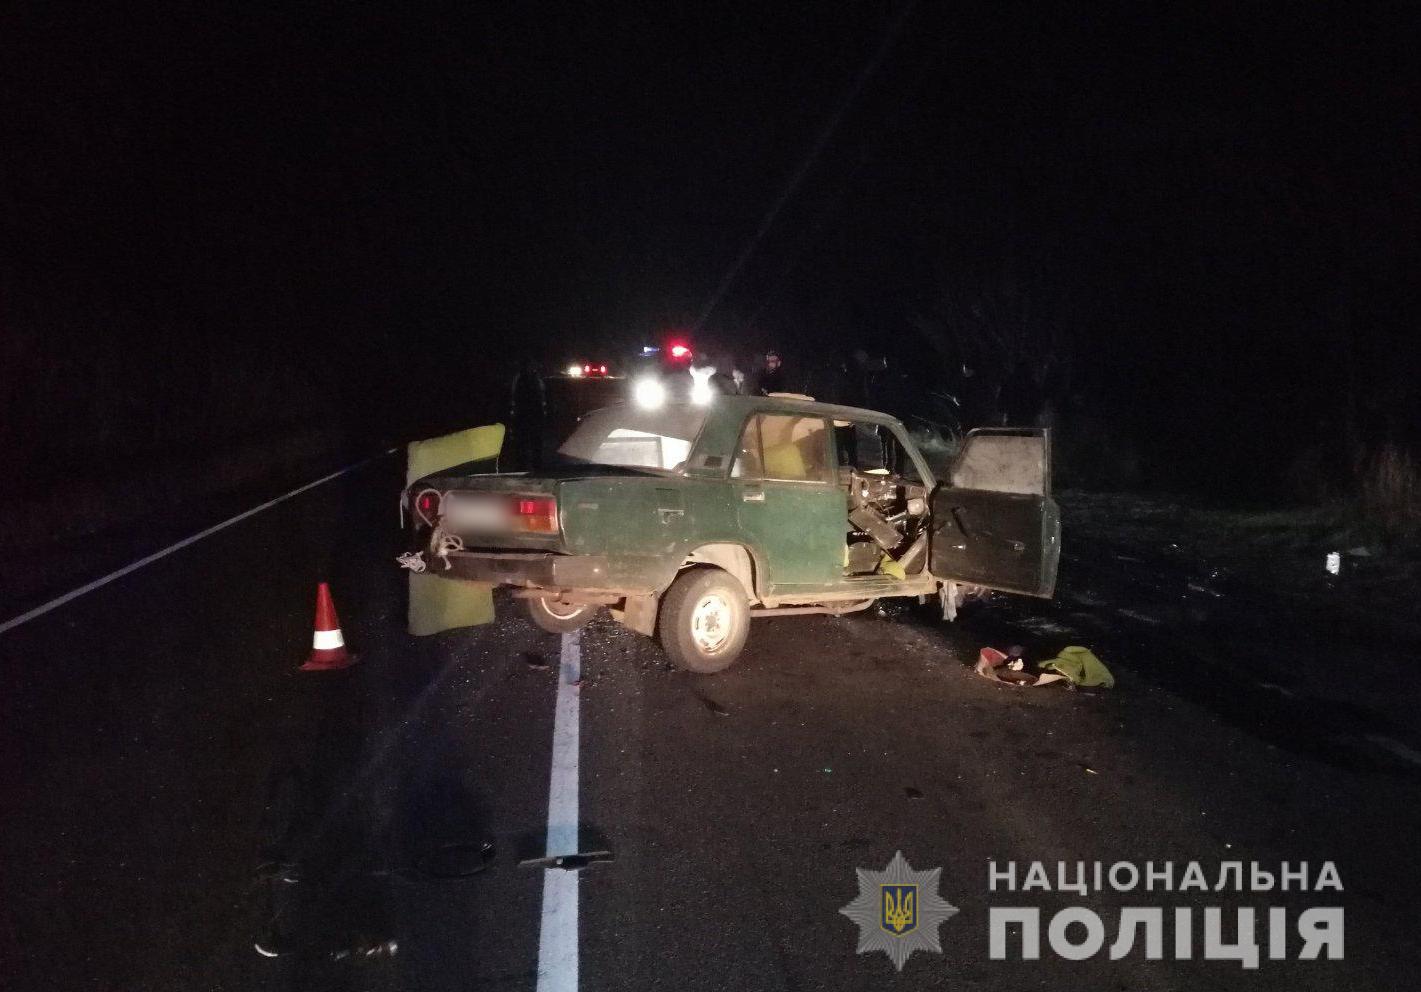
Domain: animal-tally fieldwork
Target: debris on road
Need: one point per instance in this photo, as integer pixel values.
(535, 661)
(458, 860)
(365, 951)
(998, 666)
(1081, 667)
(1076, 665)
(568, 862)
(713, 706)
(412, 560)
(1334, 563)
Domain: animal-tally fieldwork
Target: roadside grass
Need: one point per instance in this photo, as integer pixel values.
(1281, 552)
(1389, 492)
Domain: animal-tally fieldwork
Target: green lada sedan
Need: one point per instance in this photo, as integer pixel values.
(687, 520)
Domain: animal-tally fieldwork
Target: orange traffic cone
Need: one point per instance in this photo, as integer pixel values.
(327, 643)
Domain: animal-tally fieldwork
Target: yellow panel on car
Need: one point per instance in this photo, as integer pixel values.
(438, 604)
(436, 453)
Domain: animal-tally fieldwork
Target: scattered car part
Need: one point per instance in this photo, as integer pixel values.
(872, 523)
(569, 862)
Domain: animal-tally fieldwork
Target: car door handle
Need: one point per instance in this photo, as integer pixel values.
(753, 496)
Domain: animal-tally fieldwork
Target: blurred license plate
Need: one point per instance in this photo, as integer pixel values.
(475, 513)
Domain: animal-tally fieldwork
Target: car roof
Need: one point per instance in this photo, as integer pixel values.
(730, 404)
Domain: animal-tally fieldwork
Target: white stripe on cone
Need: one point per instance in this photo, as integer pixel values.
(327, 640)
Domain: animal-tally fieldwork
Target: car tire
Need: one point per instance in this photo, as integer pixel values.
(559, 618)
(705, 618)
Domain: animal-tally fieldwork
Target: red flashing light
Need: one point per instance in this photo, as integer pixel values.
(680, 351)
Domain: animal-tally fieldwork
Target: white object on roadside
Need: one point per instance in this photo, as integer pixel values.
(701, 392)
(1334, 563)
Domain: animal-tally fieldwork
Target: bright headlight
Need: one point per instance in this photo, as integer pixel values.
(649, 393)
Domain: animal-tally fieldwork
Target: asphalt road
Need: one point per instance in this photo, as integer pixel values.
(175, 791)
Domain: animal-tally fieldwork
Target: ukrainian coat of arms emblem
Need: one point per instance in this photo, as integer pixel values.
(898, 910)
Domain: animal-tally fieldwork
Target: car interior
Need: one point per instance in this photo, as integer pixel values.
(887, 502)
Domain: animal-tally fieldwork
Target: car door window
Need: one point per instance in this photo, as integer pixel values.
(874, 449)
(1004, 461)
(782, 447)
(748, 462)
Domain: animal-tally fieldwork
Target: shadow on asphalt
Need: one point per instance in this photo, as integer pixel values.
(350, 820)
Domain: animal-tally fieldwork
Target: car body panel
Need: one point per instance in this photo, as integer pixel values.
(994, 523)
(797, 528)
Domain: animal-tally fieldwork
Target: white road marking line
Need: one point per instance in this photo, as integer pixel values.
(54, 604)
(557, 937)
(1396, 747)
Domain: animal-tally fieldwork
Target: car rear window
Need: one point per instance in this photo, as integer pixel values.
(627, 435)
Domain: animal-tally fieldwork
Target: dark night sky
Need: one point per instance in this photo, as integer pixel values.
(1216, 207)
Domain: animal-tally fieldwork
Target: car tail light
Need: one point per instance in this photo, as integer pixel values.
(535, 514)
(427, 505)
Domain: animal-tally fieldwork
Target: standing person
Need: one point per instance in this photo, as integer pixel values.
(528, 410)
(724, 381)
(771, 378)
(855, 391)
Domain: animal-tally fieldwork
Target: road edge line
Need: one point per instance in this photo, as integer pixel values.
(83, 590)
(557, 934)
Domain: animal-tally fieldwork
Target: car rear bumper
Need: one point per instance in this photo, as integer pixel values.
(521, 568)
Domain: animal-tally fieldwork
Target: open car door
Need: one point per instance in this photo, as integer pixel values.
(994, 523)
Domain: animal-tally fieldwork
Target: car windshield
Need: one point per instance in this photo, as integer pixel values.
(634, 437)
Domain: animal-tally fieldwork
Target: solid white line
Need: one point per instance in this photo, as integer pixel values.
(557, 937)
(54, 604)
(1396, 747)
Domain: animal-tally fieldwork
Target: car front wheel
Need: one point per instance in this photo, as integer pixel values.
(559, 618)
(705, 618)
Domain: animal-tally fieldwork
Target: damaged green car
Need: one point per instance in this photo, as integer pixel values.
(688, 520)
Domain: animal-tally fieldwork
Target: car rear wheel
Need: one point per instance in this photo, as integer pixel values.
(559, 618)
(705, 618)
